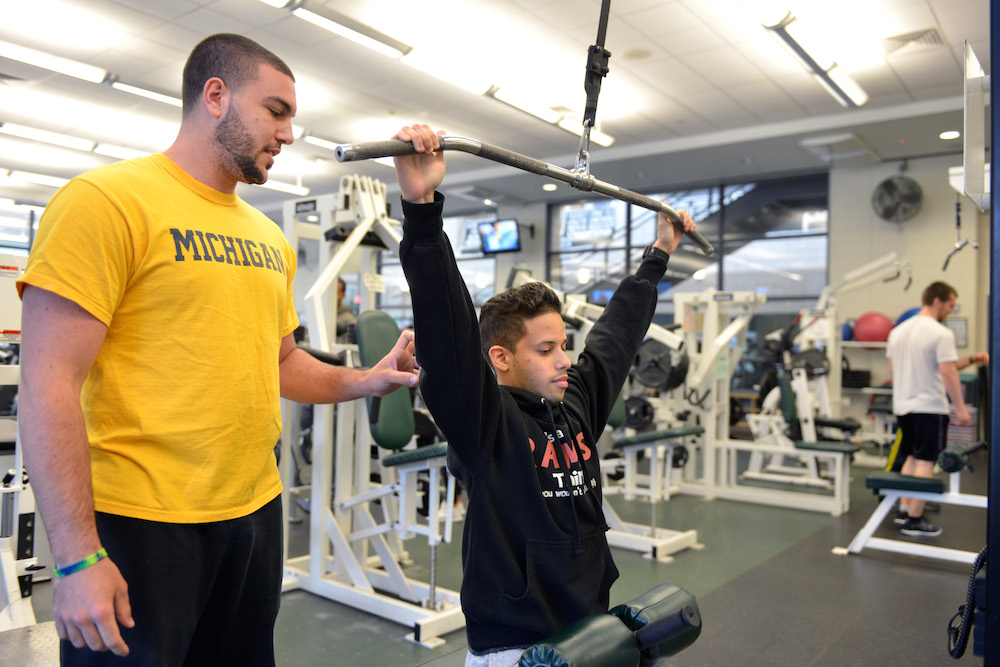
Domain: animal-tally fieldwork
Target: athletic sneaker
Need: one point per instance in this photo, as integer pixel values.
(931, 506)
(901, 518)
(919, 526)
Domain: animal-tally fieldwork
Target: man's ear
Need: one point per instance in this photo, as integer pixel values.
(215, 97)
(500, 357)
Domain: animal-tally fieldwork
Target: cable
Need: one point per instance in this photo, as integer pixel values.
(958, 636)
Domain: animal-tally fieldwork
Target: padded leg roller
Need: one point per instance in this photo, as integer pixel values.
(665, 621)
(600, 640)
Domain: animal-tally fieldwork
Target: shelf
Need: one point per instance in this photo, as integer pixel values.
(855, 343)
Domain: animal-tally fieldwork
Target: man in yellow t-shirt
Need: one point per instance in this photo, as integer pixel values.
(157, 339)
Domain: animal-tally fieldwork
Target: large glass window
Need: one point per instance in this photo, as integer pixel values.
(478, 271)
(16, 234)
(770, 237)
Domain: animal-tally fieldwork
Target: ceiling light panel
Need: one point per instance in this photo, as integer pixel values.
(52, 63)
(65, 112)
(65, 25)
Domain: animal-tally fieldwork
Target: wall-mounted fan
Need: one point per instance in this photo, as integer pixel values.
(897, 198)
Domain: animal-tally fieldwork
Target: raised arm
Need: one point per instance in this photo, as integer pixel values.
(60, 341)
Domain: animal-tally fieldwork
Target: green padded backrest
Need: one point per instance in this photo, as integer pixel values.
(617, 416)
(659, 604)
(393, 428)
(600, 640)
(787, 399)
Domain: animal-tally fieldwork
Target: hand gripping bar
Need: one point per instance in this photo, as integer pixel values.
(579, 179)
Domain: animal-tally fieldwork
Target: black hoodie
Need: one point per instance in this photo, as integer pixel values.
(534, 549)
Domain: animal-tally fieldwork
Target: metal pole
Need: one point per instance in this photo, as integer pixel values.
(579, 180)
(991, 653)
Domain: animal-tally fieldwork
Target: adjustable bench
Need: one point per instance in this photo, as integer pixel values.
(893, 485)
(657, 543)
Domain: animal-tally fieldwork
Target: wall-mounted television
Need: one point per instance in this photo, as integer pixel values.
(499, 236)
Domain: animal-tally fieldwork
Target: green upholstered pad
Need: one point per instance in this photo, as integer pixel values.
(418, 454)
(377, 334)
(894, 480)
(788, 409)
(617, 417)
(828, 446)
(661, 604)
(652, 436)
(600, 640)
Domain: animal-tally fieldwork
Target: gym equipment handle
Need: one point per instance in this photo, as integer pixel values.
(578, 179)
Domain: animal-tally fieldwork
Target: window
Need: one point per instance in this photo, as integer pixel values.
(769, 237)
(478, 272)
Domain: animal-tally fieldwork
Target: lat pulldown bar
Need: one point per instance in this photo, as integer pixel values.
(581, 180)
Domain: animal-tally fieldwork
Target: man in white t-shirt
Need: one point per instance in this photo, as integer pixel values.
(924, 365)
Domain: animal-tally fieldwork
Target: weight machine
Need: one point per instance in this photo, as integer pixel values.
(17, 507)
(356, 553)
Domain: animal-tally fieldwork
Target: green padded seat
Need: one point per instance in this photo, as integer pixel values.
(898, 481)
(601, 640)
(418, 454)
(651, 436)
(393, 427)
(828, 446)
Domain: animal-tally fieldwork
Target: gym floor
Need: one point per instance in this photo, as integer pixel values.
(768, 587)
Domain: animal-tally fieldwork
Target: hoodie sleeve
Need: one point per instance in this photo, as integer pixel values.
(456, 379)
(613, 342)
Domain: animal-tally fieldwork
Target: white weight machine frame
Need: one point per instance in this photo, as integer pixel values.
(725, 318)
(17, 524)
(353, 558)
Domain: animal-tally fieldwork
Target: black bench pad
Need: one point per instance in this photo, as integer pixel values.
(653, 436)
(828, 446)
(898, 481)
(418, 454)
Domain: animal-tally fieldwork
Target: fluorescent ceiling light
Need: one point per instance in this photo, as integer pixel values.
(275, 3)
(596, 135)
(949, 135)
(358, 33)
(550, 187)
(528, 106)
(450, 69)
(148, 94)
(55, 138)
(322, 143)
(38, 179)
(120, 152)
(52, 63)
(297, 190)
(830, 75)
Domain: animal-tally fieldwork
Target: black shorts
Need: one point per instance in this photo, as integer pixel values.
(201, 594)
(924, 436)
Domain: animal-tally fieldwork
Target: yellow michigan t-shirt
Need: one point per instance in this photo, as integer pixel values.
(195, 286)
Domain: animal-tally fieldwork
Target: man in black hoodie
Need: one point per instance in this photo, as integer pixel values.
(522, 423)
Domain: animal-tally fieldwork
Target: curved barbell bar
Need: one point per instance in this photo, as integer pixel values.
(579, 179)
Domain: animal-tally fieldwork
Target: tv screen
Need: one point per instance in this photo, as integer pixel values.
(499, 236)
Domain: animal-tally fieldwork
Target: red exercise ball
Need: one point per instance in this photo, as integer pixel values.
(872, 327)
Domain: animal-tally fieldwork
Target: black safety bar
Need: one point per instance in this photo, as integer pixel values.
(579, 179)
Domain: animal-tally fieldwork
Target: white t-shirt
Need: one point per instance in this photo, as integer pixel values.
(916, 347)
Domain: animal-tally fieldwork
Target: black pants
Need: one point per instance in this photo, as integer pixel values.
(201, 594)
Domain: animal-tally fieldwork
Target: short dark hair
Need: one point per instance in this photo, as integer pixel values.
(501, 320)
(937, 290)
(233, 58)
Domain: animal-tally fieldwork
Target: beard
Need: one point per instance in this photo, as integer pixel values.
(239, 150)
